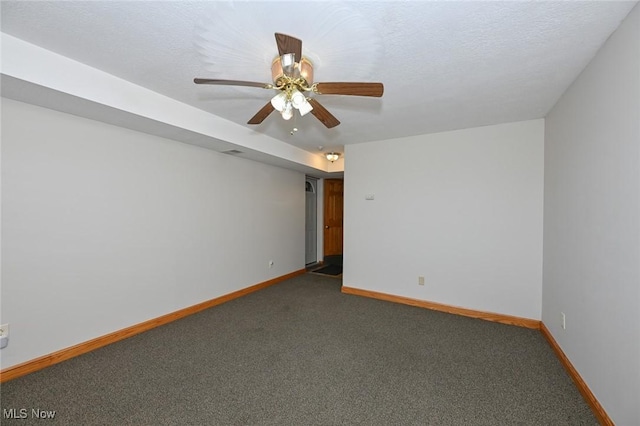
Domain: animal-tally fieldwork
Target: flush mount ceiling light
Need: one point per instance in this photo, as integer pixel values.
(332, 156)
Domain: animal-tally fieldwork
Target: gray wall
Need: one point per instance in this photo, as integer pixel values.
(104, 227)
(463, 209)
(592, 223)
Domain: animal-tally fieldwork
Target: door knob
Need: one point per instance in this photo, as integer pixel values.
(326, 227)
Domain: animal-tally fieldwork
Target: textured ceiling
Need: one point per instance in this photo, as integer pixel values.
(445, 65)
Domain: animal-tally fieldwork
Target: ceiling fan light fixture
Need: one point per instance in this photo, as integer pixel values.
(332, 156)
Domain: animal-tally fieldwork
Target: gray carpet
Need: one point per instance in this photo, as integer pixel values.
(302, 353)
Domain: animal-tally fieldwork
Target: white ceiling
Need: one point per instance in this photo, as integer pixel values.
(445, 65)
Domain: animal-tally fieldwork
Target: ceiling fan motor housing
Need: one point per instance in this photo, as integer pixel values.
(302, 70)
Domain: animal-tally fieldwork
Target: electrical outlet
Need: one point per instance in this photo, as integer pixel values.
(420, 280)
(271, 264)
(564, 320)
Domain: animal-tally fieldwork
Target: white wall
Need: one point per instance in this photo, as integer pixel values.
(105, 227)
(463, 209)
(592, 223)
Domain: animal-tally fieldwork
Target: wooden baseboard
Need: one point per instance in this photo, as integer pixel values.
(487, 316)
(598, 410)
(88, 346)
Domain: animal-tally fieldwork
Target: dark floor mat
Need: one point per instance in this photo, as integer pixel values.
(329, 270)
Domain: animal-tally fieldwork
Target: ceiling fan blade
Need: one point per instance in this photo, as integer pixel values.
(232, 83)
(353, 89)
(322, 114)
(287, 44)
(262, 114)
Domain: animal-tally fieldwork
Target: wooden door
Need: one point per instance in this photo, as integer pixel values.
(333, 206)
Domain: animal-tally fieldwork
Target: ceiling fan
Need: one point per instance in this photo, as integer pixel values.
(292, 76)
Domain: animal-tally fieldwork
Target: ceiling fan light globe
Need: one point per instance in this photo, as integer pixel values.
(287, 114)
(305, 107)
(297, 99)
(279, 101)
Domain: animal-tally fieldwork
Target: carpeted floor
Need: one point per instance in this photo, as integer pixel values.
(302, 353)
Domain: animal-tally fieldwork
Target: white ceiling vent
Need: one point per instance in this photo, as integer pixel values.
(232, 152)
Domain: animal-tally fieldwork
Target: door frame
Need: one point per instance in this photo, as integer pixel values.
(313, 182)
